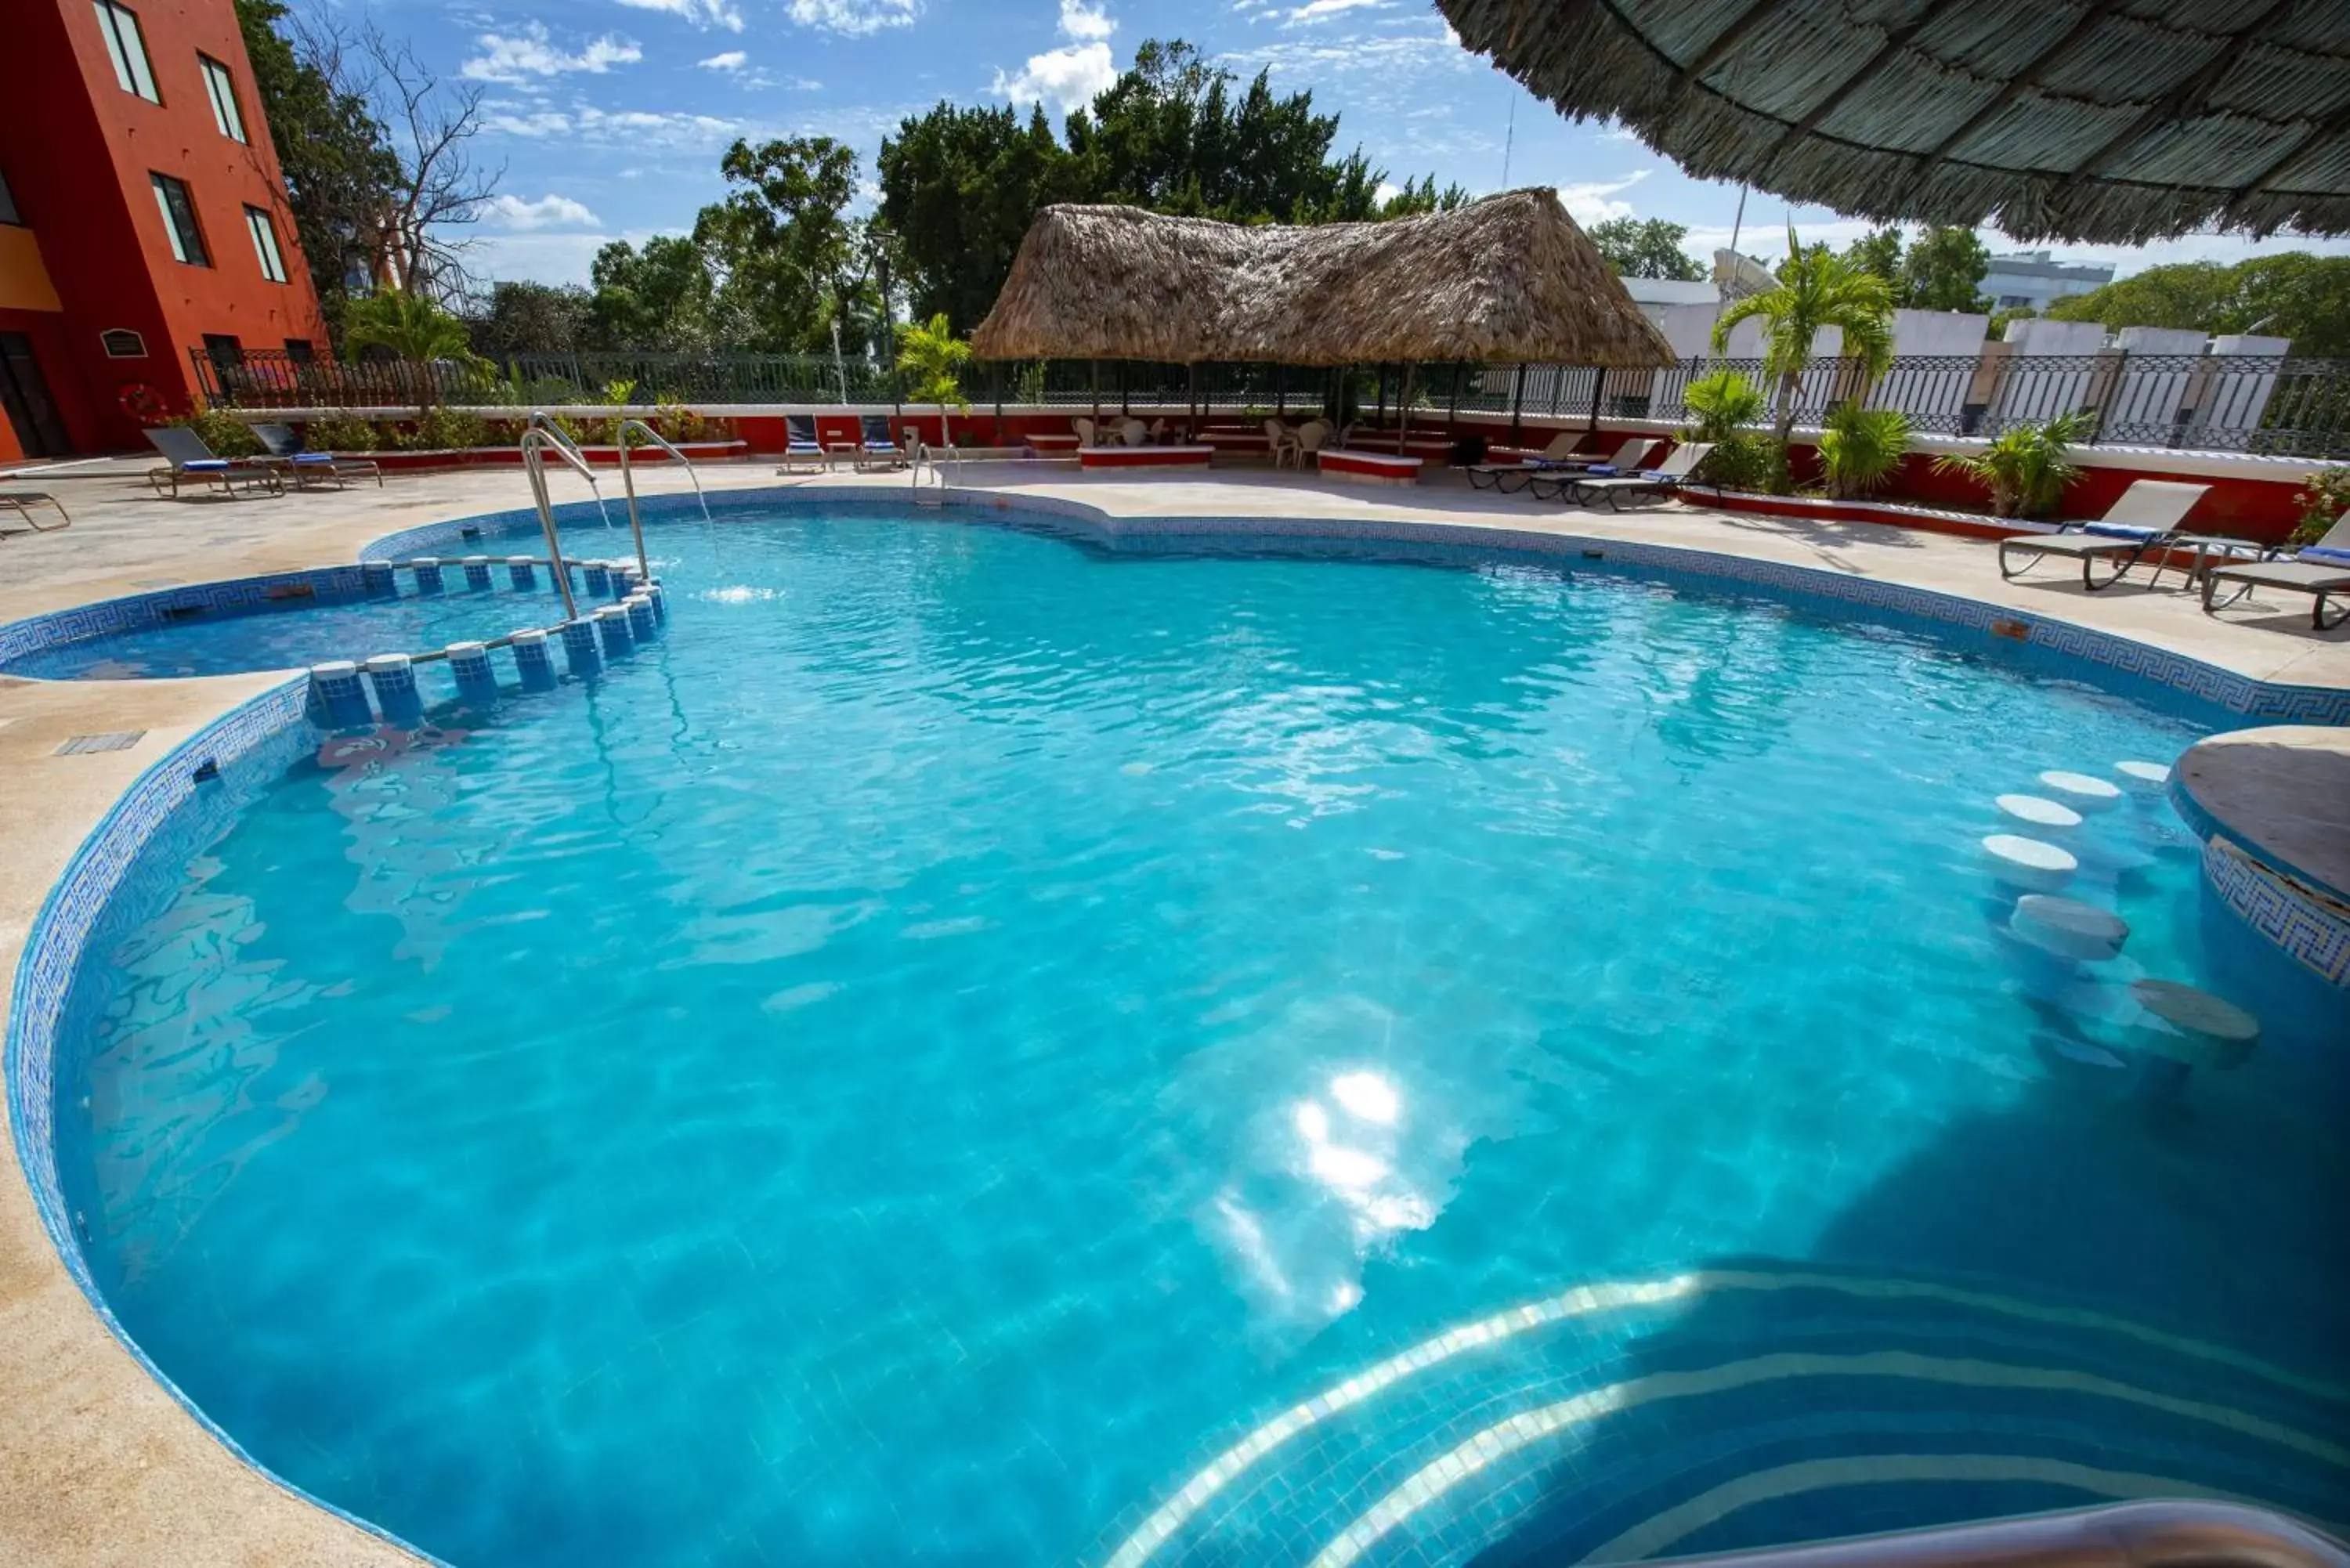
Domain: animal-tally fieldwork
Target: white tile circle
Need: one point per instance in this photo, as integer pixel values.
(2040, 813)
(2084, 791)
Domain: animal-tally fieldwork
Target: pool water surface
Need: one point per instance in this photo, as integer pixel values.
(918, 1062)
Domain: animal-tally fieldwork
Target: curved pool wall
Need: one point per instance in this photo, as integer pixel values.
(189, 795)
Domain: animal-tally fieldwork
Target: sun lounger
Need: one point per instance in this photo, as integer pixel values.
(2141, 522)
(877, 449)
(800, 446)
(24, 501)
(1557, 457)
(2321, 571)
(1667, 476)
(194, 462)
(305, 466)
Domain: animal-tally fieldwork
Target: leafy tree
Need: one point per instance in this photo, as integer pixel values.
(1646, 248)
(661, 297)
(958, 189)
(1878, 251)
(1861, 448)
(789, 259)
(1996, 328)
(1721, 402)
(1816, 288)
(411, 328)
(1943, 270)
(932, 357)
(534, 319)
(2297, 296)
(2025, 468)
(1415, 198)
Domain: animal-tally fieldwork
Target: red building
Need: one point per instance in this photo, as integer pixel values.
(142, 215)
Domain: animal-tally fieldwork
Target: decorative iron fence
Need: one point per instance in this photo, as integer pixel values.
(2289, 406)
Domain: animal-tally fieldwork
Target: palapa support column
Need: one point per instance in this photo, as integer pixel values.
(1517, 402)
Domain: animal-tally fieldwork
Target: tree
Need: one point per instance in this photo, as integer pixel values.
(932, 356)
(958, 189)
(1878, 251)
(1649, 248)
(1996, 328)
(1415, 198)
(413, 328)
(1944, 270)
(790, 261)
(2295, 295)
(534, 319)
(1816, 288)
(662, 298)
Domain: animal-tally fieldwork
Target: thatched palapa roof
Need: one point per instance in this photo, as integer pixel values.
(1507, 279)
(2099, 120)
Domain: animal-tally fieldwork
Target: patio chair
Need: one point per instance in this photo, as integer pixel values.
(305, 465)
(1133, 433)
(2321, 570)
(194, 462)
(2141, 522)
(877, 449)
(24, 501)
(801, 445)
(1662, 480)
(1311, 437)
(1560, 454)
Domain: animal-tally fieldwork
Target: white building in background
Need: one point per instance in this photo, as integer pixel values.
(2032, 279)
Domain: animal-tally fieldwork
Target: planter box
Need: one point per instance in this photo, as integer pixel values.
(511, 457)
(1106, 457)
(1369, 467)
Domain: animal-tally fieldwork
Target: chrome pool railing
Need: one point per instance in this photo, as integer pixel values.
(2154, 1534)
(537, 442)
(629, 484)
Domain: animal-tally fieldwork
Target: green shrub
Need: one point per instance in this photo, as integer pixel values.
(2026, 469)
(2324, 499)
(1748, 461)
(1862, 448)
(680, 423)
(1721, 403)
(227, 435)
(341, 432)
(445, 428)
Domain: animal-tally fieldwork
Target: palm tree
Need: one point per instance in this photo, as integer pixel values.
(929, 353)
(1816, 288)
(414, 329)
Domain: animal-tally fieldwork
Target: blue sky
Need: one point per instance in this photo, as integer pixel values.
(610, 114)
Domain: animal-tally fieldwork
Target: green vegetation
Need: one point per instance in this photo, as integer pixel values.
(1744, 459)
(1942, 269)
(1650, 247)
(1816, 288)
(341, 432)
(2297, 296)
(227, 435)
(2026, 469)
(2323, 500)
(1996, 328)
(1862, 448)
(1721, 402)
(932, 356)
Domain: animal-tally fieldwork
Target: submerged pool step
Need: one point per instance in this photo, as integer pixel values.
(1553, 1434)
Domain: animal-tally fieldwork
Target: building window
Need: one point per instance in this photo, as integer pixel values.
(8, 213)
(179, 220)
(299, 351)
(224, 350)
(121, 343)
(264, 244)
(222, 89)
(127, 49)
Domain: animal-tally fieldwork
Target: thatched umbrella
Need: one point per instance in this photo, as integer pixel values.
(2115, 121)
(1507, 279)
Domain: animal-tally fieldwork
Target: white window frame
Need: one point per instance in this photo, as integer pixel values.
(221, 87)
(172, 223)
(265, 244)
(125, 45)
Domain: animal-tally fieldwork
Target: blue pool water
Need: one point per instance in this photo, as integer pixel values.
(918, 1062)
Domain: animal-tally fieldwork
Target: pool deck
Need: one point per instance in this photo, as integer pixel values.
(98, 1465)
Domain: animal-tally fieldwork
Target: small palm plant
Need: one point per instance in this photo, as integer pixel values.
(2027, 468)
(1721, 403)
(413, 328)
(1861, 448)
(1816, 288)
(931, 354)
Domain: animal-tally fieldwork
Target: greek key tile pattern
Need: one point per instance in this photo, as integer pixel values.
(2305, 922)
(240, 595)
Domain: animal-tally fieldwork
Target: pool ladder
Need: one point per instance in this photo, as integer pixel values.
(544, 436)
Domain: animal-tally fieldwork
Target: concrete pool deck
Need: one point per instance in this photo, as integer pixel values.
(97, 1463)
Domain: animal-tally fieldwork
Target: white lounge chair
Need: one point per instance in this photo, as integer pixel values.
(24, 501)
(2321, 570)
(2142, 522)
(194, 462)
(1559, 455)
(1667, 476)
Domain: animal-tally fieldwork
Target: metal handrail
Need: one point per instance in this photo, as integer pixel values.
(2159, 1534)
(628, 483)
(536, 441)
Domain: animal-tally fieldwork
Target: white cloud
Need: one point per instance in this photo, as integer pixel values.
(1314, 11)
(731, 60)
(517, 59)
(701, 12)
(1067, 79)
(635, 128)
(548, 211)
(855, 17)
(1085, 26)
(1594, 201)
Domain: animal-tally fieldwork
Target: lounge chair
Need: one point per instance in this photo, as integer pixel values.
(1662, 480)
(1559, 454)
(877, 449)
(2321, 570)
(24, 501)
(194, 462)
(305, 465)
(801, 445)
(2142, 522)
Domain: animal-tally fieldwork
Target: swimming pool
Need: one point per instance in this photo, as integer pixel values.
(982, 1046)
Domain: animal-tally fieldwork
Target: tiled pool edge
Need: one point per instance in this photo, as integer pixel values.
(252, 743)
(2268, 895)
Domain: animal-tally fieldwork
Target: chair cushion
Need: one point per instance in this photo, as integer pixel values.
(2325, 556)
(1602, 470)
(313, 456)
(2119, 531)
(206, 464)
